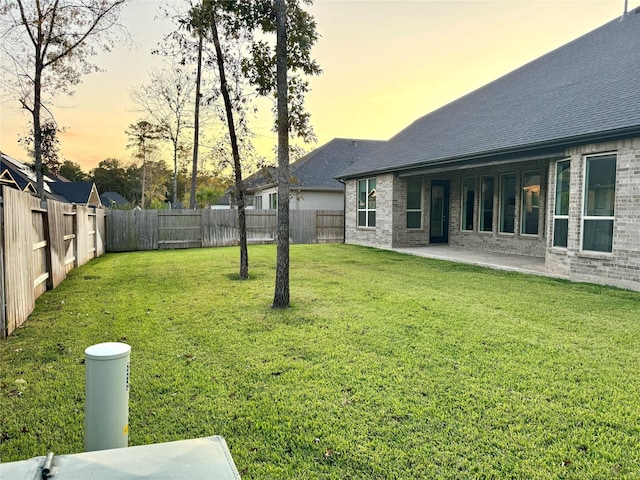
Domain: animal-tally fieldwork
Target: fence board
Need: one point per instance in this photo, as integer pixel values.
(131, 230)
(18, 250)
(179, 229)
(219, 228)
(82, 236)
(100, 231)
(261, 226)
(39, 249)
(57, 243)
(3, 318)
(150, 230)
(39, 246)
(329, 226)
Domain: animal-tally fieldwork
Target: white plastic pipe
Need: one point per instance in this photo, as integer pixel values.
(106, 415)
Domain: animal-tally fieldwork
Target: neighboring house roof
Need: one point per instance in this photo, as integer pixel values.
(110, 198)
(584, 91)
(23, 175)
(317, 169)
(82, 193)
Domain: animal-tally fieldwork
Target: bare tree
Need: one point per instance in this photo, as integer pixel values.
(166, 100)
(196, 121)
(47, 45)
(237, 167)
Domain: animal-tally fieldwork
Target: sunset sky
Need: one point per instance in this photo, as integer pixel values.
(385, 64)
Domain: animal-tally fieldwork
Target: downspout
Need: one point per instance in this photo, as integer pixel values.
(344, 212)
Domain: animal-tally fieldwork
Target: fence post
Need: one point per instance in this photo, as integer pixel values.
(47, 238)
(3, 305)
(74, 227)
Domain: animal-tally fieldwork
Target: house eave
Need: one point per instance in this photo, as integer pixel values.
(551, 149)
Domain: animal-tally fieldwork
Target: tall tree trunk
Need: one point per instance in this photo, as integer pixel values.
(175, 170)
(281, 295)
(37, 127)
(144, 175)
(237, 167)
(196, 125)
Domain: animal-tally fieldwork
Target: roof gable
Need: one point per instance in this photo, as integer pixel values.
(82, 193)
(109, 198)
(585, 90)
(317, 169)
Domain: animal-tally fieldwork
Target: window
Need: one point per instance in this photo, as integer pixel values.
(258, 202)
(599, 199)
(507, 203)
(414, 202)
(530, 213)
(467, 202)
(367, 202)
(273, 201)
(486, 204)
(561, 210)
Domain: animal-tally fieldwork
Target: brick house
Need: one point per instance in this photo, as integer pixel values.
(544, 161)
(313, 186)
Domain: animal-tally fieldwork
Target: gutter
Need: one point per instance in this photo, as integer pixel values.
(552, 146)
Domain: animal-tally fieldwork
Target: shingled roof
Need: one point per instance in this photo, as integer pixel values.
(585, 91)
(317, 169)
(82, 193)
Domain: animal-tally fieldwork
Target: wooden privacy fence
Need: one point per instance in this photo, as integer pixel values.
(130, 230)
(38, 247)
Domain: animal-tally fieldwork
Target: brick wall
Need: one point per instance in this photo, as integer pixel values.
(621, 267)
(381, 234)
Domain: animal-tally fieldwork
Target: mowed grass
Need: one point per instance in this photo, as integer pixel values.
(386, 367)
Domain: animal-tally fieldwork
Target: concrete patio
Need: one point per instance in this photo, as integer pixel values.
(499, 261)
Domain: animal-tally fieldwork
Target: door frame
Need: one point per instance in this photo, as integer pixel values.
(446, 207)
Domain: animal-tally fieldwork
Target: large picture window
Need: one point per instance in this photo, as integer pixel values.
(507, 203)
(486, 204)
(467, 203)
(599, 202)
(561, 210)
(367, 202)
(414, 202)
(529, 218)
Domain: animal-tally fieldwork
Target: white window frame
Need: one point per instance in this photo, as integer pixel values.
(273, 201)
(415, 210)
(583, 212)
(258, 202)
(366, 208)
(463, 203)
(555, 204)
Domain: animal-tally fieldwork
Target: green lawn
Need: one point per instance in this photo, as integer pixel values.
(386, 367)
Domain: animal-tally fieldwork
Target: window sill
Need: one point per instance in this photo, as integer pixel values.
(365, 228)
(595, 255)
(559, 250)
